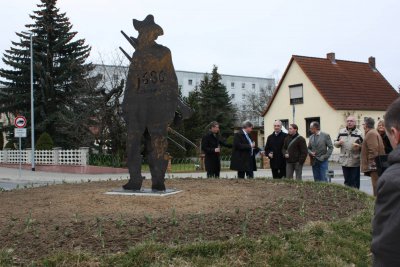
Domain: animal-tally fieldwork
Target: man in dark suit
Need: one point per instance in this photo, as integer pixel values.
(244, 151)
(273, 150)
(211, 146)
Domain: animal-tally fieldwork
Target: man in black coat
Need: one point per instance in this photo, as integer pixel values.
(273, 150)
(244, 152)
(211, 146)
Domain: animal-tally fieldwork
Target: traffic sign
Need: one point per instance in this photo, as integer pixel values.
(20, 121)
(19, 132)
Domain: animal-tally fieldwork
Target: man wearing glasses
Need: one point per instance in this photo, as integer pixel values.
(349, 141)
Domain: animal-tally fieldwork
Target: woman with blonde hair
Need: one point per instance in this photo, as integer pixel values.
(385, 139)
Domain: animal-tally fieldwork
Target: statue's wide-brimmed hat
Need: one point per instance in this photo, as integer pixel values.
(148, 25)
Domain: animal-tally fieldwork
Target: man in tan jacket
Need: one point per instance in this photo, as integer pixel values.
(349, 141)
(371, 148)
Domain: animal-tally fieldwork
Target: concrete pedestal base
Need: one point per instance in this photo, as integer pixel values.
(143, 192)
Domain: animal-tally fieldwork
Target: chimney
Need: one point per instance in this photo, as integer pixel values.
(371, 62)
(331, 57)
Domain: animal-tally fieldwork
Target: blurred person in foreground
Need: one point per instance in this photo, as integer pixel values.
(386, 222)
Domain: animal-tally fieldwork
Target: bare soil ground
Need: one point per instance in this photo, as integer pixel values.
(38, 222)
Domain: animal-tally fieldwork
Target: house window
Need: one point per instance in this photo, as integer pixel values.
(243, 96)
(115, 77)
(232, 84)
(253, 86)
(233, 96)
(308, 122)
(296, 94)
(190, 82)
(285, 123)
(243, 85)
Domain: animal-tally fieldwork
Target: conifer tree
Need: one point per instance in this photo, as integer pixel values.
(215, 103)
(63, 92)
(193, 127)
(44, 142)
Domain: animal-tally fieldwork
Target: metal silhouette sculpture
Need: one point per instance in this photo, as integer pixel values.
(150, 103)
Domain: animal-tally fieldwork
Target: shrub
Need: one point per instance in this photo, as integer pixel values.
(225, 151)
(10, 145)
(44, 142)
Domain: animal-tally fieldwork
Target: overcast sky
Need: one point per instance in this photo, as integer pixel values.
(249, 38)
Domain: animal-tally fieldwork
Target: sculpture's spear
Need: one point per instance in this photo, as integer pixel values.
(126, 54)
(132, 41)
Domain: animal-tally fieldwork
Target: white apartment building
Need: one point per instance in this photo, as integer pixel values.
(237, 86)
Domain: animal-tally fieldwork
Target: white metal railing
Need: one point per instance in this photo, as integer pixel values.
(57, 156)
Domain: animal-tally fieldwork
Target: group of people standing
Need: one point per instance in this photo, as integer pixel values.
(287, 152)
(244, 151)
(358, 153)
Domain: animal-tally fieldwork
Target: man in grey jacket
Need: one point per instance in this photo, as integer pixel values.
(349, 140)
(386, 223)
(320, 149)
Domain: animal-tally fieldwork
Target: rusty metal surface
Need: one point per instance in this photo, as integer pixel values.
(150, 102)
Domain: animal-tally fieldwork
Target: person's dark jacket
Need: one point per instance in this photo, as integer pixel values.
(386, 143)
(209, 143)
(242, 158)
(297, 150)
(386, 223)
(275, 144)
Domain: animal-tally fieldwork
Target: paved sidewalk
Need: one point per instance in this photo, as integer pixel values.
(10, 178)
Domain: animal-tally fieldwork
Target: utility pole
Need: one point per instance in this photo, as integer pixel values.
(32, 111)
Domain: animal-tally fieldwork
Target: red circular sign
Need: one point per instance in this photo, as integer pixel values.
(20, 121)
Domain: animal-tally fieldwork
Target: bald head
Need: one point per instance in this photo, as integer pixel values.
(351, 122)
(277, 126)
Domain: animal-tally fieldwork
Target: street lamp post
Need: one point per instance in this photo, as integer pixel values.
(294, 112)
(32, 111)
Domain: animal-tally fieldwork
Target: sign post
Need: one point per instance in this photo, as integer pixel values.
(32, 111)
(20, 131)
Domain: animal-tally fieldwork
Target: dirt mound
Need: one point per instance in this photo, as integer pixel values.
(38, 222)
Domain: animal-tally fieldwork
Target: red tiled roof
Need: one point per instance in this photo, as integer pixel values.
(345, 84)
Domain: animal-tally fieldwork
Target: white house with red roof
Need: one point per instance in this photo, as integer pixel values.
(328, 90)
